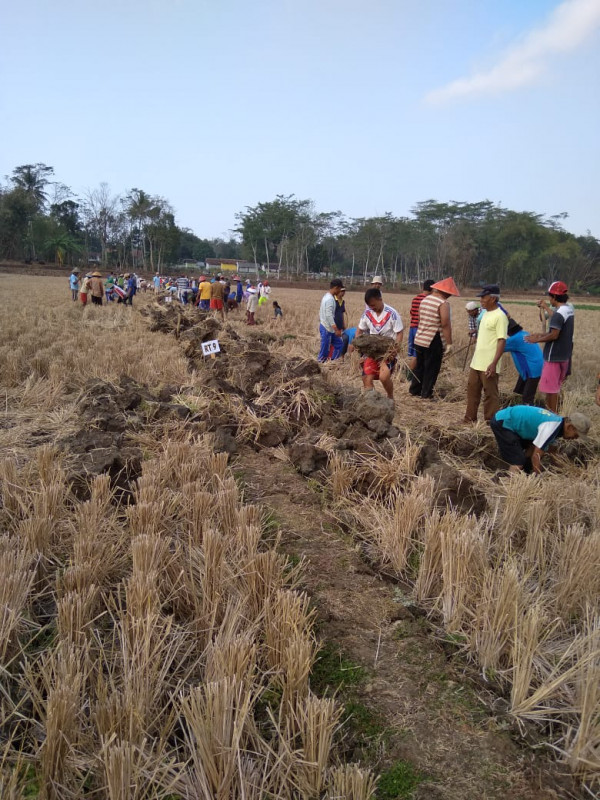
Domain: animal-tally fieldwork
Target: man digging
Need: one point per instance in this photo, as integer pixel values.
(523, 433)
(383, 320)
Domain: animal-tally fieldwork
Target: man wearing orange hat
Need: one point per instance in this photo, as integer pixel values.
(434, 335)
(558, 343)
(489, 346)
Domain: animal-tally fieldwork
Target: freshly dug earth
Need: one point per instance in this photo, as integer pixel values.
(373, 345)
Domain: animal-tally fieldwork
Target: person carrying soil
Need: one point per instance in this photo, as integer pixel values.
(558, 343)
(74, 283)
(383, 320)
(527, 359)
(251, 305)
(433, 337)
(414, 322)
(524, 433)
(96, 288)
(491, 340)
(329, 332)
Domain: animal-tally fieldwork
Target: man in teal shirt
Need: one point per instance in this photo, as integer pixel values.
(523, 433)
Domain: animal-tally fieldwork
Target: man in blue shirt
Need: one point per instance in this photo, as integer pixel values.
(527, 359)
(523, 433)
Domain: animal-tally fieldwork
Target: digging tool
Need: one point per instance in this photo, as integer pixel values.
(467, 354)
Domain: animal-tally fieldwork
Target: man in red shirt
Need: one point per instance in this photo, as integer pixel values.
(414, 323)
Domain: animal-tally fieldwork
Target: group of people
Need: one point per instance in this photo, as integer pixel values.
(96, 289)
(220, 294)
(524, 431)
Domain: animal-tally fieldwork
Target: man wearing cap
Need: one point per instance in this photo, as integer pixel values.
(491, 339)
(523, 433)
(434, 336)
(472, 313)
(377, 282)
(527, 359)
(74, 283)
(414, 322)
(329, 332)
(558, 343)
(382, 320)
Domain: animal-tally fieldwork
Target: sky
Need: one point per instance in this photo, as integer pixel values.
(364, 106)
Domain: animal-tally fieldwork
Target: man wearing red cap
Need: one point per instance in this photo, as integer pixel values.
(558, 343)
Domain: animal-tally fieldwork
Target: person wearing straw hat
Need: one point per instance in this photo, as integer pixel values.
(524, 433)
(74, 283)
(433, 338)
(491, 340)
(377, 282)
(96, 288)
(84, 289)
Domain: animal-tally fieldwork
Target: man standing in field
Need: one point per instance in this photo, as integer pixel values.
(216, 297)
(74, 283)
(204, 292)
(434, 335)
(383, 320)
(523, 433)
(130, 288)
(414, 322)
(329, 332)
(558, 343)
(473, 314)
(96, 288)
(491, 340)
(183, 285)
(251, 305)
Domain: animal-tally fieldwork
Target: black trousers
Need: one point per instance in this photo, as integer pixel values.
(429, 362)
(527, 388)
(512, 447)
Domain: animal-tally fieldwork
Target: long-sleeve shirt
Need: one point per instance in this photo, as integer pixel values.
(327, 312)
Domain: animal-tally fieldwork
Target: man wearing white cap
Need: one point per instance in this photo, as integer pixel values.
(473, 312)
(377, 282)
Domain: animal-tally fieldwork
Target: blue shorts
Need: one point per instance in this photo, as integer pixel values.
(205, 305)
(412, 332)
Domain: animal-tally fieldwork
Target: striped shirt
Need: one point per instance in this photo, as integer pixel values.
(430, 321)
(414, 309)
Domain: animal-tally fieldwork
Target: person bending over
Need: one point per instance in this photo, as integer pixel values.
(523, 433)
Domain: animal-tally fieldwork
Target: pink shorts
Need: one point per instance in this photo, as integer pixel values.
(553, 376)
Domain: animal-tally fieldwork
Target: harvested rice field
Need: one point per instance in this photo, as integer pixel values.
(243, 578)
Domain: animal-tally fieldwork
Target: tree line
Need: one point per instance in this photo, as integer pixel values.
(41, 218)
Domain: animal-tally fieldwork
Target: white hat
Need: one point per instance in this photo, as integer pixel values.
(472, 305)
(377, 279)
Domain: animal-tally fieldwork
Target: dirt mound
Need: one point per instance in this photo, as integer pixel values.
(373, 345)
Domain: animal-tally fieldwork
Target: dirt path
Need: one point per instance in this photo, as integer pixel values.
(433, 716)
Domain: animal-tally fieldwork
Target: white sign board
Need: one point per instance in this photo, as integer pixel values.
(210, 348)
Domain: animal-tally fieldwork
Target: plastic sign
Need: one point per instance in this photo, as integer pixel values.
(210, 348)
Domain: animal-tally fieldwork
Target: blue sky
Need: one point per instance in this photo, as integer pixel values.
(365, 106)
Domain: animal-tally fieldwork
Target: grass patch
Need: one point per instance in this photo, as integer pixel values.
(334, 671)
(398, 782)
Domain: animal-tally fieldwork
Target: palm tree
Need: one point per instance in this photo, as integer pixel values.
(60, 245)
(33, 179)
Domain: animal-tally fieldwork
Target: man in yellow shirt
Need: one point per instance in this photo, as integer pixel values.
(491, 339)
(204, 294)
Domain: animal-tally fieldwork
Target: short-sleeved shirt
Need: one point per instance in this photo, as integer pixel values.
(74, 281)
(532, 424)
(414, 309)
(183, 284)
(430, 321)
(204, 288)
(217, 290)
(493, 326)
(387, 323)
(527, 357)
(338, 314)
(563, 320)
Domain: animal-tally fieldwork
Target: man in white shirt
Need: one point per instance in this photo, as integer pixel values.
(328, 330)
(383, 320)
